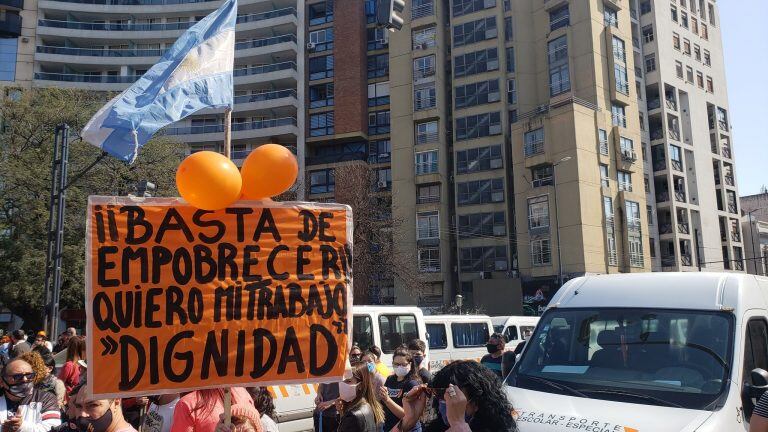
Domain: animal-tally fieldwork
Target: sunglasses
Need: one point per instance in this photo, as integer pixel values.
(19, 377)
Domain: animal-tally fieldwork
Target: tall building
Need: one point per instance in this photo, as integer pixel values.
(755, 228)
(690, 172)
(16, 30)
(106, 45)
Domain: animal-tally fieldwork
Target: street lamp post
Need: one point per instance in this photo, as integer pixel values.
(557, 221)
(752, 238)
(459, 302)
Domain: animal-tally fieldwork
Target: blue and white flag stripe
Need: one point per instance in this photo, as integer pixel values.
(195, 73)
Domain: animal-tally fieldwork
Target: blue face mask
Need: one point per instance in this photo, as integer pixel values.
(442, 409)
(371, 367)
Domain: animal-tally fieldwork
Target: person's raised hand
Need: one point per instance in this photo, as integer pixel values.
(455, 405)
(221, 427)
(414, 403)
(383, 393)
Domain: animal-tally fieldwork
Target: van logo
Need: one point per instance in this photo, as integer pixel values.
(568, 422)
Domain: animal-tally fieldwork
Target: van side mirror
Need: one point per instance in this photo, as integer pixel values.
(759, 386)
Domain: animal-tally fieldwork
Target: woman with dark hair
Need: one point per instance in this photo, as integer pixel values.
(70, 372)
(359, 407)
(396, 386)
(262, 400)
(199, 410)
(468, 396)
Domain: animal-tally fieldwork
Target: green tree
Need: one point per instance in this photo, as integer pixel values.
(28, 123)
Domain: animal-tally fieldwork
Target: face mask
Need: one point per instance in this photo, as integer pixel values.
(402, 371)
(20, 390)
(442, 408)
(492, 348)
(347, 392)
(100, 424)
(418, 359)
(371, 367)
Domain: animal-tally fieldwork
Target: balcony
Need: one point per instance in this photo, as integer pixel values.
(686, 260)
(665, 228)
(254, 125)
(11, 25)
(104, 79)
(662, 197)
(625, 186)
(428, 137)
(659, 165)
(683, 228)
(674, 134)
(676, 165)
(333, 158)
(657, 134)
(257, 70)
(732, 208)
(533, 148)
(423, 73)
(654, 104)
(668, 261)
(729, 180)
(735, 236)
(738, 265)
(680, 196)
(546, 181)
(726, 151)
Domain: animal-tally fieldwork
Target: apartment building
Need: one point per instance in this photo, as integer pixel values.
(106, 45)
(754, 223)
(690, 171)
(16, 29)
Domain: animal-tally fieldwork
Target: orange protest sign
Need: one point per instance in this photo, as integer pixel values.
(180, 299)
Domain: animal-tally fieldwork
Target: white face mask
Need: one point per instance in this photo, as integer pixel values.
(402, 371)
(347, 392)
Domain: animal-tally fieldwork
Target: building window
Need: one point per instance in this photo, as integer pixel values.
(426, 132)
(370, 11)
(378, 122)
(384, 178)
(622, 81)
(476, 62)
(378, 38)
(673, 13)
(482, 225)
(686, 47)
(645, 7)
(427, 225)
(679, 69)
(704, 32)
(424, 38)
(321, 40)
(710, 85)
(602, 137)
(533, 142)
(481, 192)
(477, 126)
(378, 94)
(510, 59)
(618, 115)
(423, 67)
(321, 95)
(689, 74)
(321, 181)
(624, 180)
(650, 63)
(635, 242)
(540, 252)
(8, 53)
(648, 34)
(321, 124)
(478, 159)
(320, 67)
(711, 9)
(676, 41)
(464, 7)
(619, 53)
(479, 93)
(427, 194)
(380, 151)
(422, 8)
(424, 96)
(559, 18)
(483, 259)
(542, 176)
(605, 180)
(610, 17)
(378, 65)
(474, 31)
(627, 149)
(707, 59)
(429, 260)
(559, 78)
(320, 13)
(538, 212)
(426, 162)
(508, 35)
(697, 52)
(511, 92)
(610, 231)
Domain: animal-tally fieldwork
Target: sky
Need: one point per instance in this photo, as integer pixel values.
(745, 43)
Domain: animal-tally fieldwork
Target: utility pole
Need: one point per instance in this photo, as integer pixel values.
(557, 222)
(752, 239)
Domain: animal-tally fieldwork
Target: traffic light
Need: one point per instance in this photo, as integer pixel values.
(388, 13)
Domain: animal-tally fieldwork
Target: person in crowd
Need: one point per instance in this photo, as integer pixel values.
(20, 345)
(134, 408)
(159, 416)
(70, 372)
(382, 368)
(396, 386)
(100, 415)
(5, 348)
(61, 342)
(262, 401)
(492, 360)
(360, 408)
(41, 339)
(199, 410)
(71, 413)
(758, 422)
(326, 416)
(369, 360)
(245, 418)
(50, 382)
(355, 356)
(469, 397)
(23, 407)
(72, 332)
(418, 348)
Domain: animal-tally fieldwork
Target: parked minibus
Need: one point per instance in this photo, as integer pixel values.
(456, 337)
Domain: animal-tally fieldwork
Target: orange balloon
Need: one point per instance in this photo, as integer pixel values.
(208, 180)
(269, 170)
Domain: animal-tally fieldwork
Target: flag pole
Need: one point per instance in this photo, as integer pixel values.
(228, 132)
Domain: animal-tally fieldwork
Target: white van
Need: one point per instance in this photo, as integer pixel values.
(514, 328)
(456, 337)
(384, 326)
(645, 352)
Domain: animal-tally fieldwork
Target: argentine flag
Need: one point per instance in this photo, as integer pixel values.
(195, 73)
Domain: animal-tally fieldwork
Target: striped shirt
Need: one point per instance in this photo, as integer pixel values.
(40, 411)
(761, 409)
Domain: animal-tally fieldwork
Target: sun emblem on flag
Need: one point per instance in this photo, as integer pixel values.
(189, 64)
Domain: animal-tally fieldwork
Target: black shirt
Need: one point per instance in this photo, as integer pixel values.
(494, 364)
(396, 391)
(424, 375)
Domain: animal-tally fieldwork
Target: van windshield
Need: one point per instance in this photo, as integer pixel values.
(657, 357)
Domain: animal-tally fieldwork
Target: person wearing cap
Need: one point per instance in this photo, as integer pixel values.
(41, 339)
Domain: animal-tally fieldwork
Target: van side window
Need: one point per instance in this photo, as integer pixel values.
(396, 330)
(467, 335)
(438, 339)
(755, 354)
(510, 333)
(362, 331)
